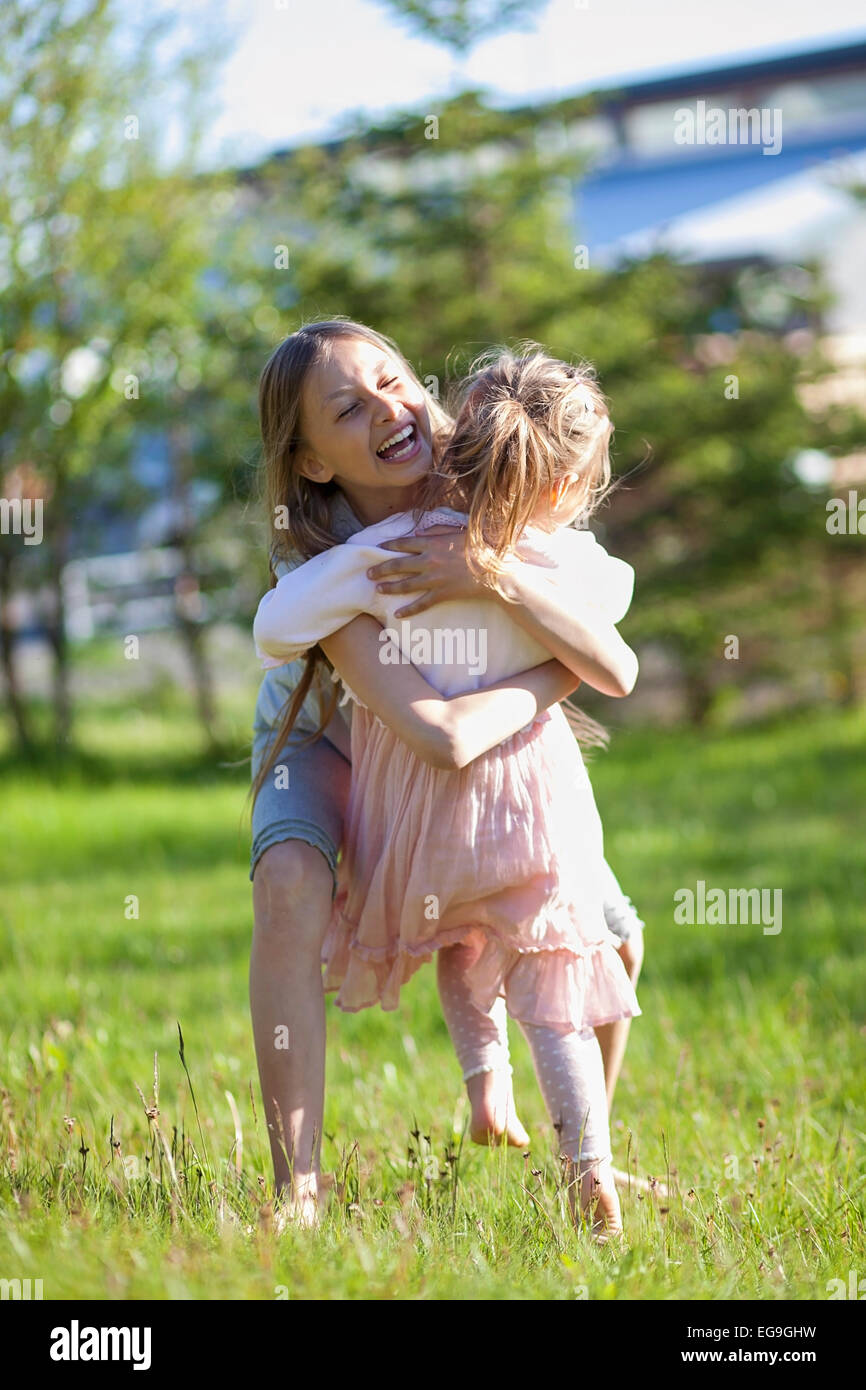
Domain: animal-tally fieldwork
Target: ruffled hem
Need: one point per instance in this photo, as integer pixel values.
(512, 846)
(552, 986)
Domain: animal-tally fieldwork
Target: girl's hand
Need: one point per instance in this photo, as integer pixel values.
(434, 562)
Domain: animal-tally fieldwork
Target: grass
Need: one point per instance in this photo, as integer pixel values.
(743, 1078)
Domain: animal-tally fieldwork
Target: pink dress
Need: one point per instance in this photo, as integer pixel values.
(507, 851)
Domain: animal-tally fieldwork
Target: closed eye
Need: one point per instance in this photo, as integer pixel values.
(354, 406)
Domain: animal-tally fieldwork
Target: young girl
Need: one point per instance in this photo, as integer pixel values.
(497, 864)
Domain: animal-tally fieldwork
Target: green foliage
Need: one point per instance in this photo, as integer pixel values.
(460, 24)
(104, 244)
(111, 329)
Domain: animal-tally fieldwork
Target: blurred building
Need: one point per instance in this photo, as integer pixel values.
(747, 165)
(748, 162)
(755, 163)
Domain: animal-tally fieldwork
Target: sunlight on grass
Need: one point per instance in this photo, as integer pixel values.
(743, 1083)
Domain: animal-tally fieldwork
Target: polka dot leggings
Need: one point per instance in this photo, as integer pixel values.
(568, 1066)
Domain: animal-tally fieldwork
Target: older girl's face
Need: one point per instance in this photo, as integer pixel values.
(364, 424)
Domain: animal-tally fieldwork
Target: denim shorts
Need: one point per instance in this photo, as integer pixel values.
(303, 797)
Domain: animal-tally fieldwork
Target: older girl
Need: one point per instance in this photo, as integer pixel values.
(330, 395)
(500, 855)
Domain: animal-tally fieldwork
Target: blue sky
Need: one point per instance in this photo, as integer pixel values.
(298, 66)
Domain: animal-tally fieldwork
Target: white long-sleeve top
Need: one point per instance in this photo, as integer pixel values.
(459, 645)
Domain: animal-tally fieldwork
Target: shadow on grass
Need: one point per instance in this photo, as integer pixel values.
(74, 766)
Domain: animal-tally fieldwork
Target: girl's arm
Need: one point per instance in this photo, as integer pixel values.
(324, 594)
(590, 647)
(313, 600)
(445, 732)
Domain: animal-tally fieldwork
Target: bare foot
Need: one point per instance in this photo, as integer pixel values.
(298, 1207)
(599, 1204)
(494, 1117)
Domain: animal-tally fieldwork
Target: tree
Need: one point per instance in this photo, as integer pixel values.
(460, 24)
(101, 265)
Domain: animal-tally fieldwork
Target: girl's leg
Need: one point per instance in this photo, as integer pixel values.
(297, 827)
(292, 892)
(622, 919)
(481, 1044)
(613, 1037)
(571, 1078)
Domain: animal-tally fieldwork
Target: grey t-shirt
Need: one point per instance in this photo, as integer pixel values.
(279, 683)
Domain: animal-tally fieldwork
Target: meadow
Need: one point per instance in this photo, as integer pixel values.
(130, 1171)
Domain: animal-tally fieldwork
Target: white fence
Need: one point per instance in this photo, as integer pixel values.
(135, 592)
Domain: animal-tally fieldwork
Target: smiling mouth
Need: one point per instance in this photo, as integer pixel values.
(399, 445)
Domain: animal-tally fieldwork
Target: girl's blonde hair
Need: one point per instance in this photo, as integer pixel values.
(304, 504)
(526, 422)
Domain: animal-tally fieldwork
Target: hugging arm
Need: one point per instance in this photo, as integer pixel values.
(587, 643)
(578, 632)
(312, 601)
(444, 731)
(324, 600)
